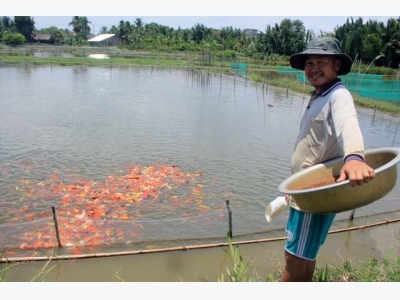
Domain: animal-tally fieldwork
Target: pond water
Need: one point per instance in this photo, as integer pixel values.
(48, 54)
(198, 140)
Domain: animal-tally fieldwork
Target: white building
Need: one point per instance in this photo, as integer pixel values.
(105, 40)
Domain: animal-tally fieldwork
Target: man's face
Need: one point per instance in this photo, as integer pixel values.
(320, 70)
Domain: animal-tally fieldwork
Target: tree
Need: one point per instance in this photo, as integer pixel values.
(57, 34)
(138, 23)
(200, 33)
(7, 22)
(124, 28)
(25, 26)
(80, 25)
(292, 36)
(391, 41)
(285, 39)
(103, 29)
(269, 42)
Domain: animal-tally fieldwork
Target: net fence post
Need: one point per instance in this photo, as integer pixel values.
(56, 225)
(228, 207)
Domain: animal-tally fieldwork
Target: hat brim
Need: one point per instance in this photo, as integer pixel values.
(297, 60)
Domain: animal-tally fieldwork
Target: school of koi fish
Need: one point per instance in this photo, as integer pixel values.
(88, 213)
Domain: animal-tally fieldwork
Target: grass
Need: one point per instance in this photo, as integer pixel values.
(372, 270)
(385, 270)
(240, 268)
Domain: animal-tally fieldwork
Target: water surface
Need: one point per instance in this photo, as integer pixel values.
(231, 139)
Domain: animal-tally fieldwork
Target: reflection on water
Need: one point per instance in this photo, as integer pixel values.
(98, 56)
(47, 54)
(61, 126)
(51, 54)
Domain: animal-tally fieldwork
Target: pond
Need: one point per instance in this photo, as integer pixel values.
(143, 157)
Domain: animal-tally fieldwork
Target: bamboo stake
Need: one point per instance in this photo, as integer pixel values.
(56, 225)
(351, 217)
(228, 206)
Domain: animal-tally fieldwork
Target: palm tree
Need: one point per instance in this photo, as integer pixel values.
(80, 25)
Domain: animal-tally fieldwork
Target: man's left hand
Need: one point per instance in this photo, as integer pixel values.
(357, 172)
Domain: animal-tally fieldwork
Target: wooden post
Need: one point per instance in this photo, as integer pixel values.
(228, 206)
(352, 214)
(56, 226)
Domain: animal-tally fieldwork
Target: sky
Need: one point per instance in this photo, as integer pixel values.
(212, 14)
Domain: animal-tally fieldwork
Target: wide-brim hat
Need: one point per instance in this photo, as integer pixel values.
(322, 46)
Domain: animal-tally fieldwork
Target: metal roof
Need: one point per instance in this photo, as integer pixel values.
(101, 37)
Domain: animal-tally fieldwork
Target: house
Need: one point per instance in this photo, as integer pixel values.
(105, 40)
(42, 38)
(251, 32)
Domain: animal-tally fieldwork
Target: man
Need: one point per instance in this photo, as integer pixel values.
(329, 128)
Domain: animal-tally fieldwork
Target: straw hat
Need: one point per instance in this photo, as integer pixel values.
(322, 46)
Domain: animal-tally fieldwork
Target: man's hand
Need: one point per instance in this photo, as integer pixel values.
(357, 172)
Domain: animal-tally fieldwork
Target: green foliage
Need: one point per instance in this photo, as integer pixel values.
(377, 70)
(239, 271)
(362, 41)
(25, 26)
(13, 38)
(3, 272)
(182, 47)
(80, 25)
(75, 40)
(384, 106)
(372, 270)
(366, 41)
(58, 34)
(227, 54)
(6, 24)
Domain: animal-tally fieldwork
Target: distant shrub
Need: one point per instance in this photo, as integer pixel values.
(13, 38)
(227, 54)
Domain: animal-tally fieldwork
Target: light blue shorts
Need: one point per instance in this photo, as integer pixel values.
(306, 233)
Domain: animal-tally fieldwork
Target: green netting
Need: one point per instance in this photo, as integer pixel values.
(289, 71)
(373, 86)
(371, 83)
(239, 69)
(355, 75)
(367, 85)
(302, 78)
(240, 66)
(379, 95)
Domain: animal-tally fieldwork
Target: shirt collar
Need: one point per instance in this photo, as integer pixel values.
(328, 87)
